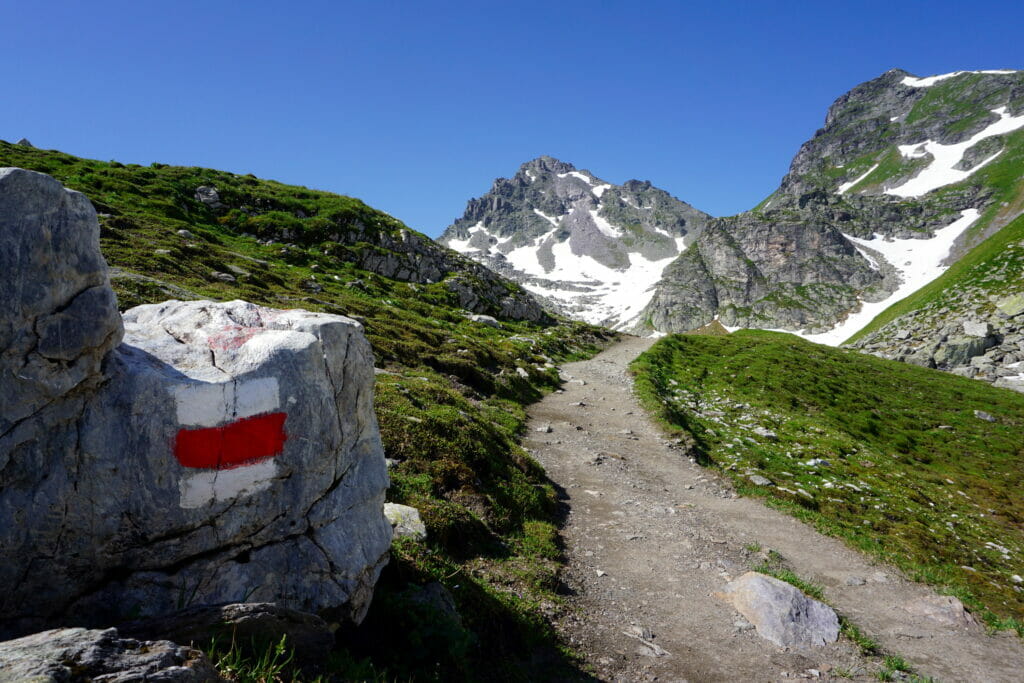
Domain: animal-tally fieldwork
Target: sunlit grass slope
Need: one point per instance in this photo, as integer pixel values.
(893, 458)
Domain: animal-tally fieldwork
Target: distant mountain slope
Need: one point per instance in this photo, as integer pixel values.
(969, 321)
(917, 467)
(592, 248)
(905, 174)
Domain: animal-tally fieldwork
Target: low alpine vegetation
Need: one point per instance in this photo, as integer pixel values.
(918, 467)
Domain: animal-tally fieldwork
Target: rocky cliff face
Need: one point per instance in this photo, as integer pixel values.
(222, 452)
(591, 248)
(855, 224)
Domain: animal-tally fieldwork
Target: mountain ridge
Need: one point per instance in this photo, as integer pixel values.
(576, 240)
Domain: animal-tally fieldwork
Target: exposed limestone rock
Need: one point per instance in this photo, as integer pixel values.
(224, 452)
(1011, 305)
(208, 195)
(414, 258)
(405, 521)
(780, 612)
(757, 273)
(942, 609)
(58, 314)
(485, 320)
(78, 654)
(977, 328)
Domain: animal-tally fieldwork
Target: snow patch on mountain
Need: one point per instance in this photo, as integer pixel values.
(463, 245)
(615, 297)
(918, 263)
(846, 186)
(929, 81)
(604, 226)
(553, 221)
(941, 171)
(576, 174)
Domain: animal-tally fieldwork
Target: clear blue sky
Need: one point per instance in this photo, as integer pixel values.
(417, 106)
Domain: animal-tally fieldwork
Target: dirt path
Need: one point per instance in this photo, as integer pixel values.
(651, 535)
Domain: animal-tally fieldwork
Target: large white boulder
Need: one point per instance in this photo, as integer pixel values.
(225, 452)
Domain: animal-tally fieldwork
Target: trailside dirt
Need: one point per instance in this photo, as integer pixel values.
(651, 536)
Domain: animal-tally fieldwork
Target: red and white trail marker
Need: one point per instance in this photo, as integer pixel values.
(231, 432)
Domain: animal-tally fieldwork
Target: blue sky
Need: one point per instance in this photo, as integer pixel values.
(415, 107)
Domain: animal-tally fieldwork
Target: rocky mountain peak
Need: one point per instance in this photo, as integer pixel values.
(543, 165)
(591, 247)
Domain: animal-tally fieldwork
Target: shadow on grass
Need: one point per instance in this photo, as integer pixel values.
(410, 634)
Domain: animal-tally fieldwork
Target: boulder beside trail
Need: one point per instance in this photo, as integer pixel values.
(78, 654)
(780, 612)
(225, 452)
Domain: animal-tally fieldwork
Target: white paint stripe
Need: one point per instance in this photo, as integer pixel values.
(216, 486)
(204, 404)
(256, 396)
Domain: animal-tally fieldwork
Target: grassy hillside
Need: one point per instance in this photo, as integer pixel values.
(893, 458)
(450, 401)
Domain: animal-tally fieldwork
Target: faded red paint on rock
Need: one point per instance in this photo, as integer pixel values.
(232, 445)
(232, 337)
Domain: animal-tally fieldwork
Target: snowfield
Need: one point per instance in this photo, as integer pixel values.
(918, 262)
(846, 186)
(932, 80)
(941, 171)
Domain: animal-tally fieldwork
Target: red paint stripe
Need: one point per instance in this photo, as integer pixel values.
(231, 445)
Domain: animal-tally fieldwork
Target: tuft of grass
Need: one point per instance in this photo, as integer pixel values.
(789, 577)
(897, 663)
(253, 664)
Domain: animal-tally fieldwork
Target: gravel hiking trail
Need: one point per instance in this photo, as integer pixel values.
(650, 536)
